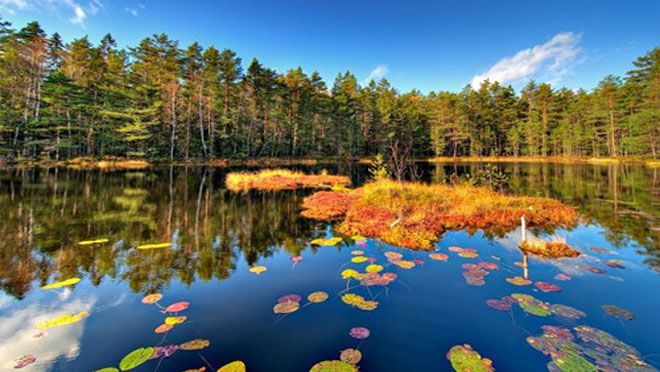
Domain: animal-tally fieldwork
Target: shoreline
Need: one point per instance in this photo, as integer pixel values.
(114, 163)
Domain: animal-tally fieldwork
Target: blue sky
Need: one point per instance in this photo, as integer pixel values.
(429, 45)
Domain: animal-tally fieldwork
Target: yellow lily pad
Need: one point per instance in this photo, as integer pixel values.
(235, 366)
(63, 283)
(258, 269)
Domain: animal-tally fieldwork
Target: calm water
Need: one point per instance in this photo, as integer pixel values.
(217, 235)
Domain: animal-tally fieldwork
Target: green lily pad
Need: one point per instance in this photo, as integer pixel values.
(136, 358)
(108, 369)
(570, 361)
(618, 312)
(333, 366)
(464, 359)
(531, 305)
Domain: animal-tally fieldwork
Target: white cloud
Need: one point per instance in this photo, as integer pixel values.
(549, 62)
(80, 12)
(378, 72)
(135, 11)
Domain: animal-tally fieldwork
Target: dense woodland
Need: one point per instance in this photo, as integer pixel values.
(161, 101)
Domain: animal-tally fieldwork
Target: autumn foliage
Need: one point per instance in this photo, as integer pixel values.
(282, 179)
(414, 215)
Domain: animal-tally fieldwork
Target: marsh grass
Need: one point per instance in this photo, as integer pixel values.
(282, 179)
(414, 215)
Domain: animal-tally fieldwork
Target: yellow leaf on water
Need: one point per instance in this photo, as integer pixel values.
(236, 366)
(154, 246)
(258, 269)
(62, 283)
(172, 320)
(63, 320)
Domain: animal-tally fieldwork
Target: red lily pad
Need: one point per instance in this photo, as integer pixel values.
(24, 361)
(296, 259)
(289, 298)
(547, 287)
(163, 328)
(359, 332)
(499, 305)
(592, 269)
(599, 250)
(616, 264)
(618, 312)
(562, 277)
(178, 306)
(519, 281)
(438, 256)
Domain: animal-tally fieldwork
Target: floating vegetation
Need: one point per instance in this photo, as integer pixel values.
(599, 250)
(91, 242)
(326, 242)
(257, 269)
(562, 277)
(519, 281)
(196, 344)
(545, 249)
(136, 358)
(286, 307)
(592, 269)
(438, 256)
(290, 298)
(235, 366)
(317, 297)
(393, 255)
(174, 320)
(359, 302)
(164, 328)
(177, 307)
(616, 264)
(547, 287)
(152, 298)
(333, 366)
(567, 311)
(358, 259)
(465, 252)
(282, 179)
(595, 350)
(352, 356)
(374, 268)
(357, 252)
(618, 312)
(164, 351)
(531, 305)
(296, 259)
(24, 361)
(504, 304)
(155, 246)
(464, 359)
(403, 263)
(359, 333)
(63, 320)
(414, 215)
(475, 274)
(63, 283)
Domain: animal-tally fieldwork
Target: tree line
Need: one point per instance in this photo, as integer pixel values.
(160, 101)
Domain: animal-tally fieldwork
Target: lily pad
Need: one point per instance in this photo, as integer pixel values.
(359, 259)
(562, 277)
(592, 269)
(196, 344)
(359, 302)
(290, 298)
(164, 351)
(107, 369)
(359, 332)
(317, 297)
(152, 298)
(438, 256)
(63, 320)
(599, 250)
(352, 356)
(519, 281)
(418, 261)
(326, 242)
(286, 307)
(464, 359)
(357, 252)
(333, 366)
(350, 273)
(616, 264)
(63, 283)
(24, 361)
(547, 287)
(174, 320)
(155, 246)
(177, 307)
(136, 358)
(373, 268)
(501, 305)
(618, 312)
(163, 328)
(393, 255)
(235, 366)
(488, 266)
(296, 258)
(567, 311)
(531, 305)
(404, 264)
(257, 269)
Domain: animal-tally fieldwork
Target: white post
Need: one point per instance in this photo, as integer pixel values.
(524, 229)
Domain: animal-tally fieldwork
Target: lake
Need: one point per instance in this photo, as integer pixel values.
(217, 235)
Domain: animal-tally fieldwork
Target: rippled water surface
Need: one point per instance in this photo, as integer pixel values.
(217, 235)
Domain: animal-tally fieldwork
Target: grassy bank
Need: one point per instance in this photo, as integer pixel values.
(282, 179)
(546, 159)
(414, 215)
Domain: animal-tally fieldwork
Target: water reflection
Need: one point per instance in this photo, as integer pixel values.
(45, 214)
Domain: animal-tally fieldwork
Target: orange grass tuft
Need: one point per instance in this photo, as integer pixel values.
(281, 179)
(414, 215)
